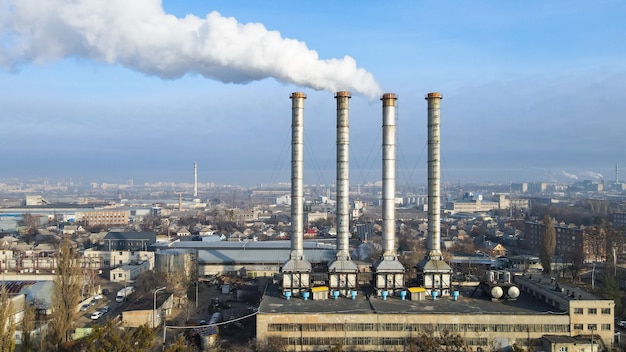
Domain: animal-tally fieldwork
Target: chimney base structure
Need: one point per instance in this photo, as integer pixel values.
(342, 273)
(433, 273)
(296, 272)
(389, 272)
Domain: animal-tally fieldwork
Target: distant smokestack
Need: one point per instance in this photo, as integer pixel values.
(180, 202)
(343, 171)
(195, 179)
(389, 174)
(616, 173)
(434, 175)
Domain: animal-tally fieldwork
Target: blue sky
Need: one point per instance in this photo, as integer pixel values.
(111, 90)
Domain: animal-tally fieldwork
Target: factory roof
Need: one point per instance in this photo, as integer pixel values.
(269, 245)
(252, 252)
(274, 303)
(129, 235)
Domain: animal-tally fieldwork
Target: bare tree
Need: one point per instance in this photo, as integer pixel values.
(595, 241)
(7, 322)
(188, 309)
(91, 279)
(548, 245)
(28, 325)
(66, 295)
(576, 259)
(150, 280)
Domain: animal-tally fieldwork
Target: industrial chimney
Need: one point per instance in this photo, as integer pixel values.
(388, 270)
(342, 273)
(296, 271)
(432, 272)
(195, 179)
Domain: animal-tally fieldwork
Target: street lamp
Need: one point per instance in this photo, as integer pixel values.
(154, 306)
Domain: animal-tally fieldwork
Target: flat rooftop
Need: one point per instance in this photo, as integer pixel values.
(274, 303)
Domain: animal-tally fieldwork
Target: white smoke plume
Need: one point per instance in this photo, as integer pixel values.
(592, 175)
(567, 174)
(139, 35)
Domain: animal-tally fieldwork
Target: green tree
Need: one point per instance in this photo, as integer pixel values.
(112, 338)
(7, 322)
(66, 295)
(548, 245)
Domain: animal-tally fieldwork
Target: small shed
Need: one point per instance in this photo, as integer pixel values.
(417, 293)
(320, 292)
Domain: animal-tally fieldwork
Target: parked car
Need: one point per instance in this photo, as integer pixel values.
(93, 302)
(96, 315)
(84, 307)
(105, 309)
(622, 323)
(106, 291)
(97, 297)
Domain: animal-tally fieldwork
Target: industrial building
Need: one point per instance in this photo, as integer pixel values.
(389, 314)
(247, 259)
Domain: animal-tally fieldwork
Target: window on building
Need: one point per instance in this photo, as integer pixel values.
(606, 311)
(578, 326)
(563, 349)
(592, 311)
(592, 327)
(578, 311)
(606, 327)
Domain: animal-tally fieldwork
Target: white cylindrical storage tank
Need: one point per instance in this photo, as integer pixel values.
(496, 292)
(513, 292)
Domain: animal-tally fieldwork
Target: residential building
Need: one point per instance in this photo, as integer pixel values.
(103, 217)
(588, 241)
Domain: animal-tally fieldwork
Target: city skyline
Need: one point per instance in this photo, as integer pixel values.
(106, 92)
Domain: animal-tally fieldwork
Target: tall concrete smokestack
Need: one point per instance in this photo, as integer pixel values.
(389, 271)
(296, 271)
(342, 272)
(195, 179)
(433, 273)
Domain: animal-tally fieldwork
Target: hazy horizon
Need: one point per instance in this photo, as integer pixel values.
(532, 91)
